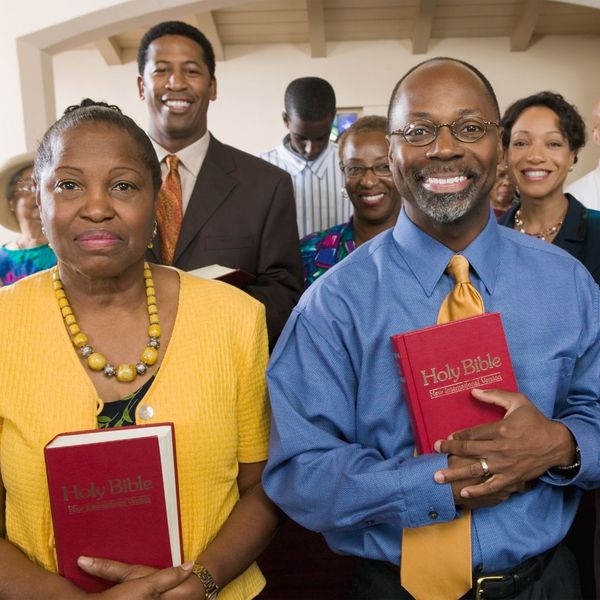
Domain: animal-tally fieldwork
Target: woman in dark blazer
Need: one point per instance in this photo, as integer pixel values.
(541, 137)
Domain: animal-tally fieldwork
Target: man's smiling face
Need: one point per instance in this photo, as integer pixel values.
(446, 179)
(177, 88)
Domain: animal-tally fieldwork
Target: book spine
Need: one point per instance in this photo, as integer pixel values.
(411, 394)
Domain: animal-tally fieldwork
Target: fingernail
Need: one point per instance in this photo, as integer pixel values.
(438, 476)
(480, 390)
(437, 445)
(464, 494)
(188, 566)
(85, 561)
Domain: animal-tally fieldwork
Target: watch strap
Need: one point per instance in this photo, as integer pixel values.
(569, 470)
(211, 589)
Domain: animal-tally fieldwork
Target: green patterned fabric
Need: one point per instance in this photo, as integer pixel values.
(122, 412)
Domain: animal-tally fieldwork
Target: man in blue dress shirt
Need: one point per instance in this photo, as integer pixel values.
(342, 451)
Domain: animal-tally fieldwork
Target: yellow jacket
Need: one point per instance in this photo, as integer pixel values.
(211, 385)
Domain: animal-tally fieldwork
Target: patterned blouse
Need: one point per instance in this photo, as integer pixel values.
(323, 249)
(16, 264)
(121, 412)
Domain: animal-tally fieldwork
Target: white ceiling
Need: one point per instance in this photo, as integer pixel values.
(317, 22)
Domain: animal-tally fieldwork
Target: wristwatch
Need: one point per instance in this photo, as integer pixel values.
(211, 589)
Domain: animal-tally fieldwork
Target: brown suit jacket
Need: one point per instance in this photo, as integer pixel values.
(242, 214)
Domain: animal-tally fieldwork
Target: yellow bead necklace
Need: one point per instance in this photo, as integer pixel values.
(96, 361)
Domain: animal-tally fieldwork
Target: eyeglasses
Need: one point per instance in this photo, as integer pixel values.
(25, 188)
(358, 171)
(425, 132)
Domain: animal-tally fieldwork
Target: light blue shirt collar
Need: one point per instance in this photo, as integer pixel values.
(427, 258)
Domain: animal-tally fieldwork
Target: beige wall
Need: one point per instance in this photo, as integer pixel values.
(19, 19)
(252, 79)
(251, 82)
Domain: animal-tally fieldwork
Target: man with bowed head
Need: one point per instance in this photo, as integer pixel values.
(308, 156)
(486, 513)
(217, 205)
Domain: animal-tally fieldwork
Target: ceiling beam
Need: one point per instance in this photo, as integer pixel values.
(316, 28)
(423, 24)
(110, 51)
(525, 25)
(208, 26)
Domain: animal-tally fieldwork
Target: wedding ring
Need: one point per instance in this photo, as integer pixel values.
(485, 467)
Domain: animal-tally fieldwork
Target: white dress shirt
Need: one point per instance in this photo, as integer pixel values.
(317, 186)
(587, 189)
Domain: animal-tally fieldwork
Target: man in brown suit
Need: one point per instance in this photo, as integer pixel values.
(238, 210)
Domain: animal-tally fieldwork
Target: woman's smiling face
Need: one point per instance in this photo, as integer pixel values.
(539, 155)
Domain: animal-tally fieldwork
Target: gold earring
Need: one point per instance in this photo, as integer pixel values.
(154, 232)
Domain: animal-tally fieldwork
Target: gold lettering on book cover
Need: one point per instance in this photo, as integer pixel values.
(115, 493)
(454, 373)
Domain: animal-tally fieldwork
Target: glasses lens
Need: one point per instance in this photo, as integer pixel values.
(420, 133)
(382, 170)
(352, 171)
(469, 130)
(25, 188)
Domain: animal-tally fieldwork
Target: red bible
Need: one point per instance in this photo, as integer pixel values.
(440, 365)
(113, 494)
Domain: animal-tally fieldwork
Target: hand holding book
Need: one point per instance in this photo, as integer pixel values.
(517, 449)
(104, 481)
(139, 581)
(465, 474)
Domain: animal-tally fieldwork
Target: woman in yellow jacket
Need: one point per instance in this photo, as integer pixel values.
(105, 339)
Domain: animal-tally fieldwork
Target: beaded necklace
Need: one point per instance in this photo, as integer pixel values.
(96, 361)
(542, 235)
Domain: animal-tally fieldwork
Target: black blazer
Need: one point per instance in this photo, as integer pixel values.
(579, 234)
(242, 214)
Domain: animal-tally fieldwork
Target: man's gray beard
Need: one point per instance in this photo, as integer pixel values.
(445, 208)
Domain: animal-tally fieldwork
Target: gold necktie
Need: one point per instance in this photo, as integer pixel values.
(436, 559)
(169, 211)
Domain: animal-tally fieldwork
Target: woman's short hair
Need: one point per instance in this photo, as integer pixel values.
(362, 125)
(570, 122)
(91, 111)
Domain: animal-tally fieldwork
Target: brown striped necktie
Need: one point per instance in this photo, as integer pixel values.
(436, 559)
(169, 211)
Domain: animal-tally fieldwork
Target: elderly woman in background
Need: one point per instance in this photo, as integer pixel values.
(29, 252)
(363, 150)
(202, 349)
(542, 135)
